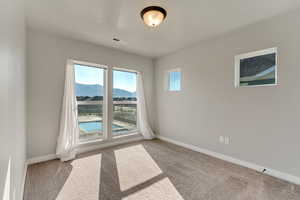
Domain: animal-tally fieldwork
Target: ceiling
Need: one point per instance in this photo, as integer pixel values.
(188, 21)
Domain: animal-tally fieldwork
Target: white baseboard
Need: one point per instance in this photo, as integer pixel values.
(40, 159)
(87, 148)
(271, 172)
(24, 179)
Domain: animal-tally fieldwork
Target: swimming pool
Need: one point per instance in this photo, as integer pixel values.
(96, 126)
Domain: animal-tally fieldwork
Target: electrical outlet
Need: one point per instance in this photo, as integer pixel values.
(226, 140)
(221, 139)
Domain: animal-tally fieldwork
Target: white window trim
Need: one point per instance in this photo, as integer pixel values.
(250, 55)
(105, 102)
(167, 79)
(123, 133)
(107, 119)
(89, 64)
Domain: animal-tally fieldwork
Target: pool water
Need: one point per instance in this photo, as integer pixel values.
(96, 126)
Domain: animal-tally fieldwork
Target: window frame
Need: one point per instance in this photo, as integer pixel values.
(167, 79)
(107, 118)
(137, 130)
(104, 102)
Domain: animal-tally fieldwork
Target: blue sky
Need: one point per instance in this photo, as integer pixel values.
(174, 81)
(92, 75)
(124, 80)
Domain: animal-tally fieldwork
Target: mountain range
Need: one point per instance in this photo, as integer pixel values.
(97, 90)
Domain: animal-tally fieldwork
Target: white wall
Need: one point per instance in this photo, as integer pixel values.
(262, 122)
(47, 55)
(12, 103)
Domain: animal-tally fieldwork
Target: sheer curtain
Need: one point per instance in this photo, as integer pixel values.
(142, 110)
(68, 132)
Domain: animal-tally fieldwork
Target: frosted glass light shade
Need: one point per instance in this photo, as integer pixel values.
(153, 15)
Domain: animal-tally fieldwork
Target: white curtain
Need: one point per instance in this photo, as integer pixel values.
(142, 110)
(68, 132)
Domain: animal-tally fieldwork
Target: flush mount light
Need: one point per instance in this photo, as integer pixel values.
(153, 15)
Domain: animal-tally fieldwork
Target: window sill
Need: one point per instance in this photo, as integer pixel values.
(128, 134)
(87, 142)
(114, 138)
(101, 143)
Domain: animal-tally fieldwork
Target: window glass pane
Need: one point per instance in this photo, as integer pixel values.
(124, 102)
(174, 81)
(89, 95)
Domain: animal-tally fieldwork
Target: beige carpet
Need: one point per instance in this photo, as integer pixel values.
(151, 170)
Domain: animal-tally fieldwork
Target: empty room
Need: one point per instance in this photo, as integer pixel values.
(150, 100)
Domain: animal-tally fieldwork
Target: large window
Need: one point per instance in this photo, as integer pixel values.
(89, 87)
(96, 113)
(124, 102)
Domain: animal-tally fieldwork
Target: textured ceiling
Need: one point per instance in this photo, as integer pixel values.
(188, 21)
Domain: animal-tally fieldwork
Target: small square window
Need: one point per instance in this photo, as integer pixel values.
(174, 80)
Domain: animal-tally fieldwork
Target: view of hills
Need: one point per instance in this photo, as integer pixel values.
(97, 90)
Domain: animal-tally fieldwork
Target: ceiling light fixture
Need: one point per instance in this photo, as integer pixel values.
(153, 15)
